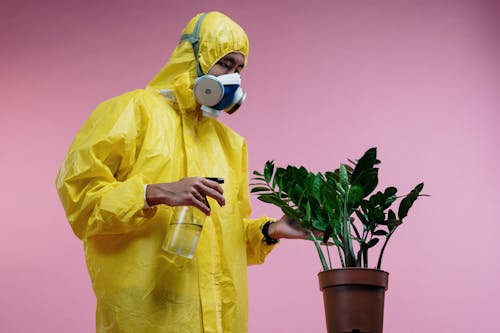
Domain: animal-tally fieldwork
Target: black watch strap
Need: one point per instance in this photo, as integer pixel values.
(265, 231)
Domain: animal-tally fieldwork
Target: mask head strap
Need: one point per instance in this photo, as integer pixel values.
(194, 39)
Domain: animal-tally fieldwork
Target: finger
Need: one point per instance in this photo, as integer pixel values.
(212, 190)
(200, 197)
(299, 234)
(318, 234)
(212, 184)
(200, 202)
(304, 234)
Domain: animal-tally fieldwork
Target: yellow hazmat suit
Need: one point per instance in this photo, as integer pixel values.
(143, 137)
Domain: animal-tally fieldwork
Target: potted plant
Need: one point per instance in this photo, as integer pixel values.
(352, 217)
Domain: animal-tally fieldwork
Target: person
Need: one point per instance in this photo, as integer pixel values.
(136, 158)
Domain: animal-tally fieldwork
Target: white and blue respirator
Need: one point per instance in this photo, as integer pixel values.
(214, 93)
(219, 93)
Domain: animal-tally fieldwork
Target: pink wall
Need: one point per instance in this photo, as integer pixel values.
(326, 80)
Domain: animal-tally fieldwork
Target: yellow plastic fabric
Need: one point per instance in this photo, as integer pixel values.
(141, 138)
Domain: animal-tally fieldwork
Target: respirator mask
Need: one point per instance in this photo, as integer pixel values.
(214, 93)
(219, 93)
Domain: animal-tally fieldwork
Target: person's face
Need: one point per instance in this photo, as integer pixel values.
(230, 63)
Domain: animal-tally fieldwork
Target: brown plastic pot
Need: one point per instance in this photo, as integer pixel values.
(354, 299)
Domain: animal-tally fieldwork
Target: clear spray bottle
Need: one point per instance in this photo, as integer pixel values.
(185, 229)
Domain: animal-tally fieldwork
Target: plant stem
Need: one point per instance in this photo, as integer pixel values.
(349, 252)
(320, 252)
(365, 258)
(342, 262)
(355, 230)
(365, 250)
(379, 263)
(328, 252)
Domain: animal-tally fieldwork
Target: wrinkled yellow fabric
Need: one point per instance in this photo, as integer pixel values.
(140, 138)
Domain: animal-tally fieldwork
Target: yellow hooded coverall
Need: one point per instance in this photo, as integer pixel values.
(143, 137)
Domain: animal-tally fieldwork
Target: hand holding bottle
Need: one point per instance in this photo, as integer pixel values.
(189, 191)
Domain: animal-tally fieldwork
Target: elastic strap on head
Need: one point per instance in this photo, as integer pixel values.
(194, 39)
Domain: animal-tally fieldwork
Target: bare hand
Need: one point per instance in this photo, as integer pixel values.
(189, 191)
(287, 227)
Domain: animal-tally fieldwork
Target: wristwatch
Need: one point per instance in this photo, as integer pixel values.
(265, 231)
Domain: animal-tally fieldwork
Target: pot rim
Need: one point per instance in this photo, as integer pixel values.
(353, 276)
(354, 268)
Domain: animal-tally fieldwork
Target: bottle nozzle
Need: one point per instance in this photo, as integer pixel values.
(216, 179)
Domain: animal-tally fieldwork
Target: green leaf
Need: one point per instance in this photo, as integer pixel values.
(316, 210)
(393, 224)
(258, 173)
(289, 211)
(388, 202)
(377, 199)
(361, 217)
(378, 215)
(329, 196)
(355, 196)
(390, 191)
(319, 225)
(313, 185)
(372, 242)
(392, 221)
(279, 179)
(331, 177)
(317, 186)
(276, 177)
(391, 215)
(380, 232)
(368, 180)
(307, 215)
(295, 193)
(339, 188)
(268, 171)
(272, 199)
(344, 179)
(259, 189)
(408, 201)
(365, 163)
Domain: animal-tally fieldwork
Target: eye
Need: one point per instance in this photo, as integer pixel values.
(224, 64)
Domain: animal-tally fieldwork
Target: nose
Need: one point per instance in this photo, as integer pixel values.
(236, 69)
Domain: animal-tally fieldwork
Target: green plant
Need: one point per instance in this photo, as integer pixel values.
(341, 205)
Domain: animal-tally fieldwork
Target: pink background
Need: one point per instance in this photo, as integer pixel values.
(326, 80)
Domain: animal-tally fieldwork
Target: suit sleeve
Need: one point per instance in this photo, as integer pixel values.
(93, 182)
(257, 249)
